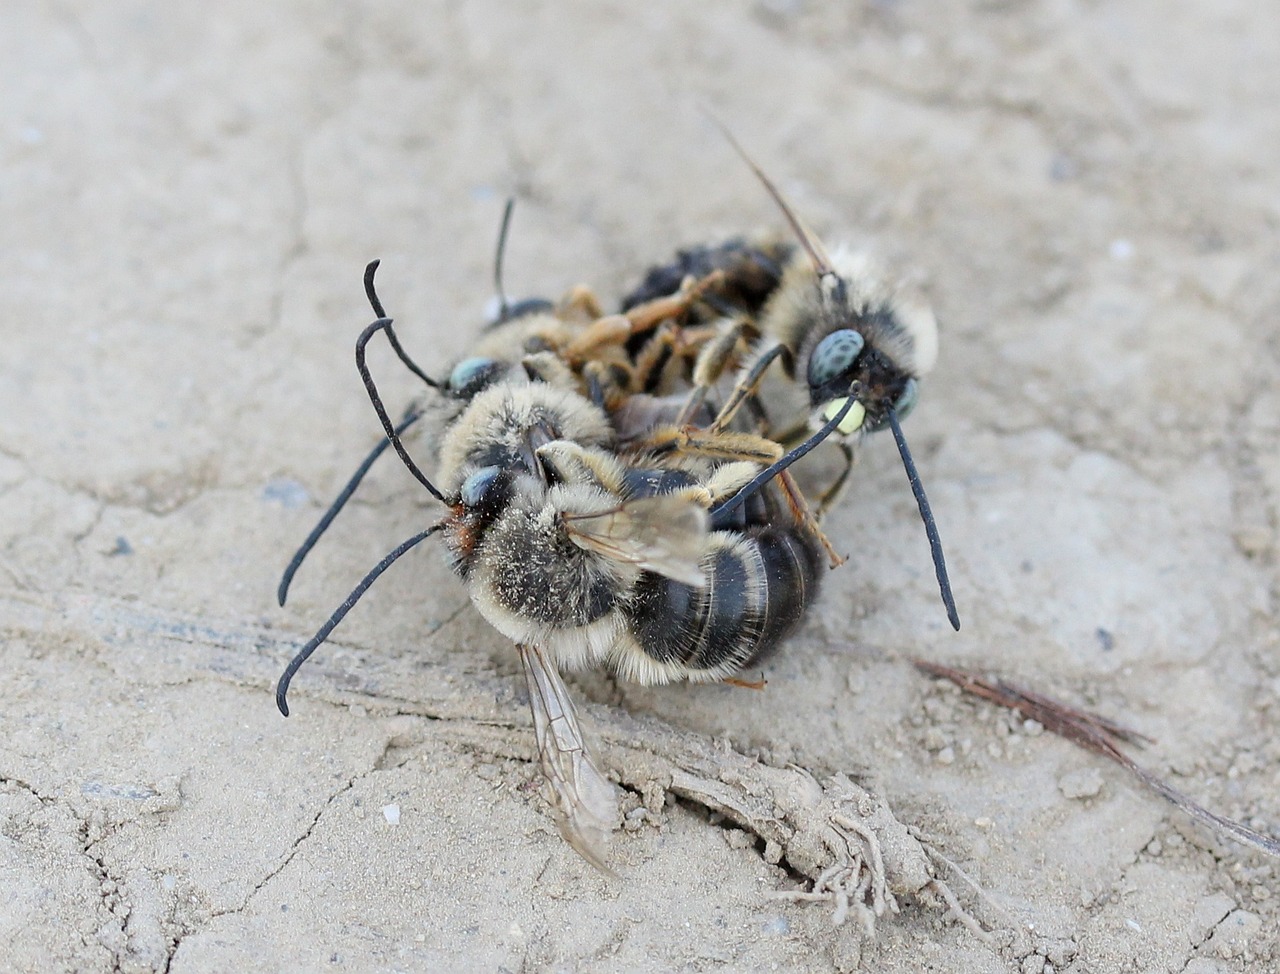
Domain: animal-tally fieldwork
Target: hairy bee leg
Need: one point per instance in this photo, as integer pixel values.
(615, 330)
(731, 446)
(648, 316)
(718, 446)
(804, 515)
(746, 385)
(653, 358)
(832, 494)
(725, 507)
(697, 396)
(579, 304)
(712, 363)
(669, 341)
(585, 801)
(601, 333)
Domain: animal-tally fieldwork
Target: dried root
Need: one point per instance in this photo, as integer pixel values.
(845, 840)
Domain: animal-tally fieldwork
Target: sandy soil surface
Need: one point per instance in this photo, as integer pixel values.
(1088, 192)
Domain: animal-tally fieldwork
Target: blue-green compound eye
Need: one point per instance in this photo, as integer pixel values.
(834, 356)
(907, 401)
(902, 408)
(471, 375)
(477, 487)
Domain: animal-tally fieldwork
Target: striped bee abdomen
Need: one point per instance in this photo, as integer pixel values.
(793, 566)
(758, 585)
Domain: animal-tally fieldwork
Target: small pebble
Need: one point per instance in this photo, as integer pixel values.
(1232, 935)
(737, 838)
(391, 813)
(1085, 783)
(779, 926)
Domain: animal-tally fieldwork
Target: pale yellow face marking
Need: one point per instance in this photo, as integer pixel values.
(853, 419)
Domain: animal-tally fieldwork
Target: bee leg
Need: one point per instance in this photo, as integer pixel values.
(670, 341)
(601, 333)
(596, 382)
(697, 396)
(729, 505)
(800, 508)
(702, 443)
(713, 362)
(832, 494)
(579, 304)
(653, 357)
(734, 681)
(760, 417)
(793, 435)
(746, 385)
(648, 316)
(732, 446)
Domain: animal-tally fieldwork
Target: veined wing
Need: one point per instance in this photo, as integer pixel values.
(664, 534)
(585, 800)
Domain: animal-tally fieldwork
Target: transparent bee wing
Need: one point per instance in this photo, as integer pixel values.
(585, 801)
(665, 534)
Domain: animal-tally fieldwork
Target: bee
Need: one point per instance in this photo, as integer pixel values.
(858, 345)
(662, 566)
(569, 345)
(758, 569)
(837, 325)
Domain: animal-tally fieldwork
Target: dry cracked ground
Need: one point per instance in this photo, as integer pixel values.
(1088, 193)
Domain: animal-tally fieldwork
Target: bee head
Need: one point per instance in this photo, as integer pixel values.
(485, 492)
(481, 500)
(471, 375)
(844, 366)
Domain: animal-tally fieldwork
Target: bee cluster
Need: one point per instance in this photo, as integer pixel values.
(616, 486)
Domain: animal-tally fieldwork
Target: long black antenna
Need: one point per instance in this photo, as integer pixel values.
(930, 526)
(380, 325)
(339, 502)
(282, 688)
(503, 307)
(768, 473)
(372, 295)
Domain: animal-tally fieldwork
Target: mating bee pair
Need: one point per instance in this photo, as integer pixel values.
(601, 513)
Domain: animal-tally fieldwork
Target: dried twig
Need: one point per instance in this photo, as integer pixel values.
(1102, 736)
